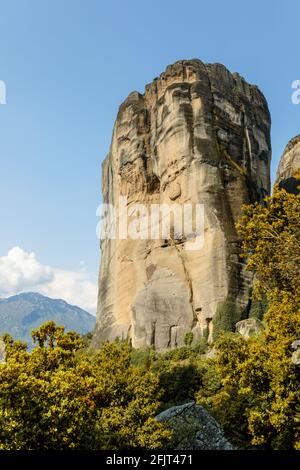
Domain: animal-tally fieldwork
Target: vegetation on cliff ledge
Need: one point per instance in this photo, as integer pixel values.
(260, 392)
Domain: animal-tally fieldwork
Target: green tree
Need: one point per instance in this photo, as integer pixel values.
(271, 243)
(260, 382)
(181, 373)
(57, 397)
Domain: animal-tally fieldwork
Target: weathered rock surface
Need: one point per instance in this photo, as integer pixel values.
(249, 327)
(193, 429)
(2, 352)
(296, 354)
(288, 173)
(199, 134)
(296, 357)
(295, 344)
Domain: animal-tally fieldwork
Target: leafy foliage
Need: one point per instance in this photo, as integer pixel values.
(259, 400)
(271, 238)
(225, 318)
(182, 373)
(56, 397)
(258, 308)
(63, 396)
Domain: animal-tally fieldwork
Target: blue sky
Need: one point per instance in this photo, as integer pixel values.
(68, 65)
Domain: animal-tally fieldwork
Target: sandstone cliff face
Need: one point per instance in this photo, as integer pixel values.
(198, 134)
(288, 173)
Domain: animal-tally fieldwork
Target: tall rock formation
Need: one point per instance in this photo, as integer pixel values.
(199, 134)
(288, 173)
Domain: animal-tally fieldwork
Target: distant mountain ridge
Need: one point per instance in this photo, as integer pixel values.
(22, 313)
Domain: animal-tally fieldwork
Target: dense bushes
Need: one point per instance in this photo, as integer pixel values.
(253, 386)
(260, 382)
(227, 315)
(183, 375)
(61, 396)
(57, 397)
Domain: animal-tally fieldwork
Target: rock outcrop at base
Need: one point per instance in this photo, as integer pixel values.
(296, 354)
(249, 327)
(198, 135)
(193, 428)
(288, 173)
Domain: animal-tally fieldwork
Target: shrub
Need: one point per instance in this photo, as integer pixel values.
(57, 397)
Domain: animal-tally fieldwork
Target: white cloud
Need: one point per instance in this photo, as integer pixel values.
(20, 271)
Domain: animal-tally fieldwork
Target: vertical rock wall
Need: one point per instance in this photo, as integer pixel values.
(288, 173)
(198, 134)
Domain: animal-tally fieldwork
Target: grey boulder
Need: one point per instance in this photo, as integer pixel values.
(296, 354)
(193, 429)
(249, 327)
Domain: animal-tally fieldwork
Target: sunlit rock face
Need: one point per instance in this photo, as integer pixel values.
(198, 135)
(288, 173)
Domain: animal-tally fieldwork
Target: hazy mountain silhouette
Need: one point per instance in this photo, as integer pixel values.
(22, 313)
